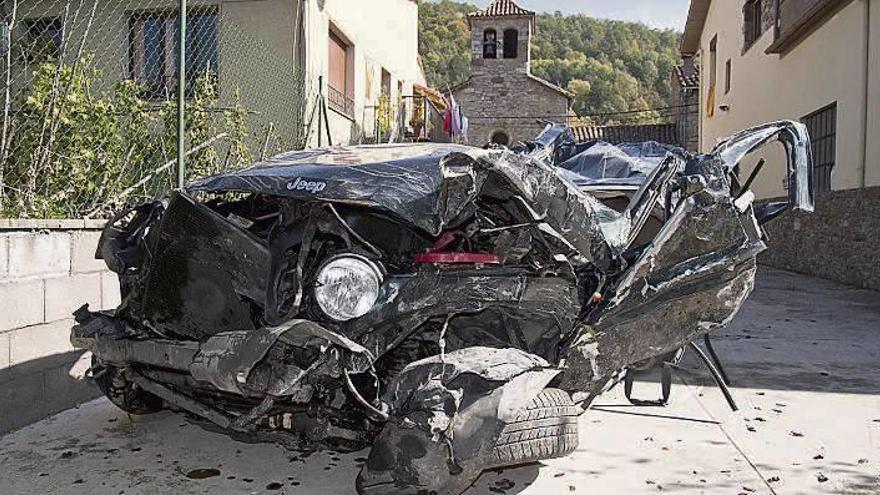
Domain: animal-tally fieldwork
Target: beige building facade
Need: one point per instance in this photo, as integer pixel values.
(251, 47)
(362, 50)
(830, 59)
(814, 61)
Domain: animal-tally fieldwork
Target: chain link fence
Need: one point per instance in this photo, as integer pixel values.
(89, 118)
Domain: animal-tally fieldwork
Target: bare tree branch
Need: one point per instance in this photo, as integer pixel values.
(265, 147)
(167, 165)
(7, 101)
(38, 156)
(56, 123)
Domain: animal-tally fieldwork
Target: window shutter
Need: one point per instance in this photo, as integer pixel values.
(748, 22)
(337, 64)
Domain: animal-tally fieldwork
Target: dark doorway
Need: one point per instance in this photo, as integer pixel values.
(501, 138)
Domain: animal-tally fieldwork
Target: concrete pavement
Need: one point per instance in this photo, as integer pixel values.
(804, 357)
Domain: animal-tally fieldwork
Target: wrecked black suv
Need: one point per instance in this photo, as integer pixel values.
(455, 308)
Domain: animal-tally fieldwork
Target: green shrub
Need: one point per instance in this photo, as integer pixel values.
(76, 150)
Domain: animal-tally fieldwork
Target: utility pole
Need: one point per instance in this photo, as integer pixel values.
(181, 96)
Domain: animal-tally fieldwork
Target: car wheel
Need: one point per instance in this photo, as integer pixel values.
(546, 429)
(123, 393)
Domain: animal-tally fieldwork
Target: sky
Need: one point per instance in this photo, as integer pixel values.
(655, 13)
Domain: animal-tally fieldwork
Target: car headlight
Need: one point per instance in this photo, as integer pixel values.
(347, 287)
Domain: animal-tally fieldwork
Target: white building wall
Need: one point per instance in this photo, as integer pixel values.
(384, 34)
(827, 66)
(872, 171)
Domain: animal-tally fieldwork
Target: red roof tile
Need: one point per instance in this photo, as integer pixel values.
(500, 8)
(692, 81)
(619, 134)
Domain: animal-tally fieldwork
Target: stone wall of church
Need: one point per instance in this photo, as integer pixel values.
(513, 104)
(501, 96)
(479, 27)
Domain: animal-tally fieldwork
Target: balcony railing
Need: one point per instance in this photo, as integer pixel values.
(340, 102)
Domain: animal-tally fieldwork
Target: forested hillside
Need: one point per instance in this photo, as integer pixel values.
(610, 66)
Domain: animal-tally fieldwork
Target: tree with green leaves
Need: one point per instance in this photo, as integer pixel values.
(74, 151)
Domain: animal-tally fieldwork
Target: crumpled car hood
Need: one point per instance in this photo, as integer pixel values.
(430, 186)
(404, 180)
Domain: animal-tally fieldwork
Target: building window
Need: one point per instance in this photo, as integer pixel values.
(822, 125)
(795, 20)
(153, 39)
(713, 77)
(511, 43)
(501, 138)
(753, 22)
(713, 61)
(386, 83)
(340, 74)
(490, 43)
(728, 69)
(42, 39)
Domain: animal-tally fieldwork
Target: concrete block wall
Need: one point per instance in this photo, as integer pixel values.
(47, 270)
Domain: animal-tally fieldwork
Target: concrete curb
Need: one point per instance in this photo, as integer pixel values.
(60, 224)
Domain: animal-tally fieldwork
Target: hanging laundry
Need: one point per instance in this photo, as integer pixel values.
(455, 119)
(465, 124)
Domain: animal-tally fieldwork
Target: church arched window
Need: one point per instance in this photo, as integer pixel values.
(490, 43)
(511, 43)
(500, 137)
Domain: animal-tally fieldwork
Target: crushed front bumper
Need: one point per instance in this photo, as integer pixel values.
(231, 362)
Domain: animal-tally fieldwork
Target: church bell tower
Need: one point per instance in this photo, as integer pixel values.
(503, 100)
(501, 36)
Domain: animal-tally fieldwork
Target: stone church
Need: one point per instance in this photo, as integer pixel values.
(502, 99)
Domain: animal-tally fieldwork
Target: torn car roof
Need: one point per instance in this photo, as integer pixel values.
(600, 162)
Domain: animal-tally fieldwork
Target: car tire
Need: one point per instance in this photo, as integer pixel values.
(546, 429)
(124, 394)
